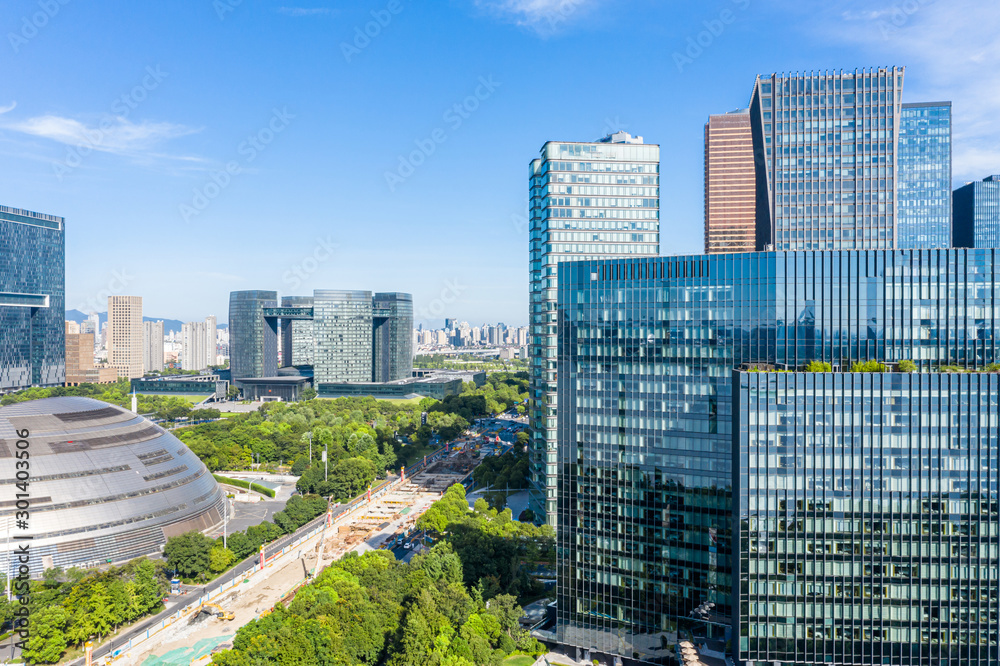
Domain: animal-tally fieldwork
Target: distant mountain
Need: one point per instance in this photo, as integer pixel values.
(168, 324)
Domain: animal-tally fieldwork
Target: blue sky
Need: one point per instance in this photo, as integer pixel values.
(205, 146)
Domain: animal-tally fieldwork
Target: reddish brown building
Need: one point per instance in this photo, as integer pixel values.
(729, 184)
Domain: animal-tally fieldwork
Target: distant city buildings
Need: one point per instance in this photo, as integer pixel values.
(586, 201)
(125, 335)
(32, 299)
(462, 336)
(198, 344)
(977, 214)
(730, 193)
(80, 368)
(152, 346)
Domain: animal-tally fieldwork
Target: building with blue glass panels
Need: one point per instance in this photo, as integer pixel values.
(32, 299)
(253, 339)
(587, 201)
(646, 351)
(923, 180)
(977, 214)
(868, 522)
(842, 163)
(392, 333)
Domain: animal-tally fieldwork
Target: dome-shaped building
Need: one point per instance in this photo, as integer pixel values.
(105, 484)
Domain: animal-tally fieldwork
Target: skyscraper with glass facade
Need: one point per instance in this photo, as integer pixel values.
(297, 339)
(646, 352)
(32, 299)
(587, 201)
(826, 146)
(342, 326)
(253, 339)
(977, 214)
(392, 330)
(867, 518)
(923, 178)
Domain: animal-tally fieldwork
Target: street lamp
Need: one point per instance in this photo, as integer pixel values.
(326, 463)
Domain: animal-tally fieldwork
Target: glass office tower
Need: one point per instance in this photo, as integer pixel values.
(32, 299)
(253, 340)
(923, 180)
(392, 329)
(297, 339)
(868, 518)
(342, 325)
(647, 347)
(587, 201)
(977, 214)
(825, 146)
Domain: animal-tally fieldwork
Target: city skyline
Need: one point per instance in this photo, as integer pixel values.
(177, 133)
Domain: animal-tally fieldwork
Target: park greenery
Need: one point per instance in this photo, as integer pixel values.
(468, 362)
(500, 475)
(68, 608)
(248, 485)
(194, 556)
(119, 393)
(454, 605)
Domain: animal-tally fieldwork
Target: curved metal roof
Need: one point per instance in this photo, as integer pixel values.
(104, 484)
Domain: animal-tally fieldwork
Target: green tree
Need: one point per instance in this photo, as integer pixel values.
(220, 558)
(309, 393)
(233, 392)
(102, 610)
(867, 366)
(907, 366)
(818, 366)
(189, 553)
(47, 641)
(148, 591)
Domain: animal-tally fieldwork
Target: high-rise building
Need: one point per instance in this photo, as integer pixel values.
(587, 201)
(32, 299)
(212, 324)
(298, 344)
(866, 516)
(152, 346)
(730, 194)
(923, 176)
(977, 214)
(826, 148)
(647, 348)
(342, 325)
(253, 340)
(125, 348)
(195, 345)
(392, 351)
(80, 359)
(94, 320)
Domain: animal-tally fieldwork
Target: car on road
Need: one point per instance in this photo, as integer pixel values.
(408, 545)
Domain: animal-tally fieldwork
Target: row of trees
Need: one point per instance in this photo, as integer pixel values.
(373, 610)
(497, 552)
(119, 393)
(67, 608)
(193, 555)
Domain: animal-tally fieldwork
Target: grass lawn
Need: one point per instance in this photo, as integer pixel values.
(519, 660)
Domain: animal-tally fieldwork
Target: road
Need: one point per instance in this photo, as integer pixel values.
(238, 572)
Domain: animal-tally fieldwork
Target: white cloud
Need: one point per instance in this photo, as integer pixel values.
(543, 16)
(9, 107)
(304, 11)
(951, 53)
(110, 135)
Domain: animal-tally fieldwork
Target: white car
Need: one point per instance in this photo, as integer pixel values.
(408, 545)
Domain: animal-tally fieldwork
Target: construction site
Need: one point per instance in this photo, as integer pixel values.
(368, 525)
